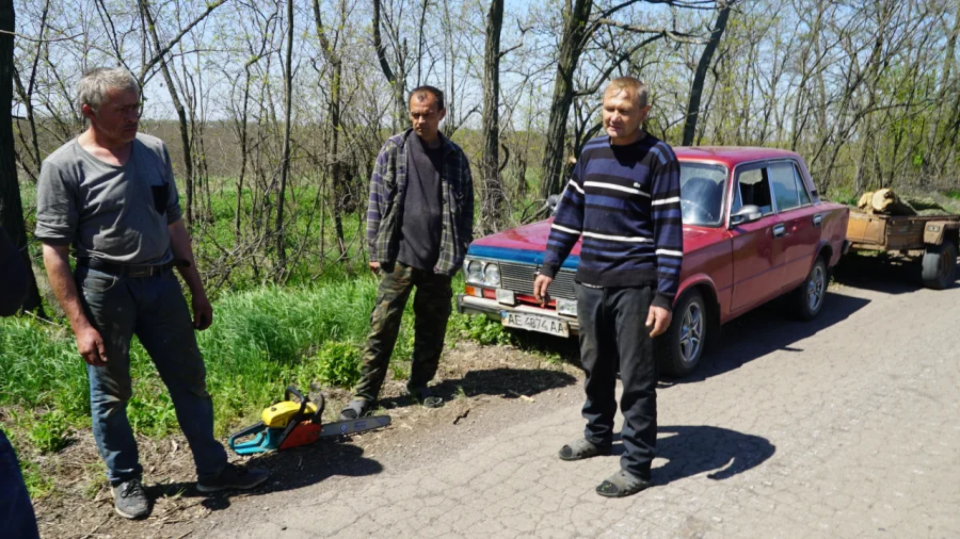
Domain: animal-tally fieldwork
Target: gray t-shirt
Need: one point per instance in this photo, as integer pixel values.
(114, 213)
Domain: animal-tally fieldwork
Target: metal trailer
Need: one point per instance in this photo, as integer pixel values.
(931, 240)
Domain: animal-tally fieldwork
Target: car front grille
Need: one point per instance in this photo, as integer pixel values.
(519, 278)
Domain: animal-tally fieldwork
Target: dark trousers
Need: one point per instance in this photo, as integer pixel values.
(153, 309)
(431, 307)
(612, 334)
(16, 511)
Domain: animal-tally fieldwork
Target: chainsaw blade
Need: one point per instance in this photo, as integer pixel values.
(343, 428)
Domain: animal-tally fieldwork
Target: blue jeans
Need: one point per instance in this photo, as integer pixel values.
(16, 511)
(153, 309)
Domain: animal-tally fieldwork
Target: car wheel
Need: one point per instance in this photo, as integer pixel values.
(682, 346)
(940, 265)
(808, 299)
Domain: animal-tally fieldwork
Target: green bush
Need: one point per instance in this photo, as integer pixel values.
(49, 433)
(478, 328)
(338, 364)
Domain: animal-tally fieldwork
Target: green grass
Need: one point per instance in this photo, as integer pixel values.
(261, 342)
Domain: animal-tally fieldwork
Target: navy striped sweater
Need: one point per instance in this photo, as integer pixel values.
(625, 201)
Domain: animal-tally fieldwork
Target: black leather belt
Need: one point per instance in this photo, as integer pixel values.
(124, 270)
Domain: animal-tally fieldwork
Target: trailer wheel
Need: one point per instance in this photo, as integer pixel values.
(940, 265)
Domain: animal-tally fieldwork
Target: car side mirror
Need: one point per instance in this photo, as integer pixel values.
(747, 214)
(553, 201)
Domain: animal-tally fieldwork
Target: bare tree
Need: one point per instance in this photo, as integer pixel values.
(493, 203)
(285, 164)
(334, 60)
(696, 91)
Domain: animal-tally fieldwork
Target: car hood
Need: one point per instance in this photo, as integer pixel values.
(526, 243)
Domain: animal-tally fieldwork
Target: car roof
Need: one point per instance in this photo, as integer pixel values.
(730, 155)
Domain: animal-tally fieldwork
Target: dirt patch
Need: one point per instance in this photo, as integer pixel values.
(474, 381)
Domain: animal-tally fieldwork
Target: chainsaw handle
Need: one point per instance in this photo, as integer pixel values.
(321, 403)
(249, 431)
(292, 390)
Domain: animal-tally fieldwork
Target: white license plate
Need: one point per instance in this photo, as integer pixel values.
(534, 322)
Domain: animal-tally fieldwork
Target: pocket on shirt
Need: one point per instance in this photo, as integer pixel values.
(161, 197)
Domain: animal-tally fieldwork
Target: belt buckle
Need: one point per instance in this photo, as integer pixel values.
(140, 271)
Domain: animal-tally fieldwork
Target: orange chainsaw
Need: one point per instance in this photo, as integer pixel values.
(292, 423)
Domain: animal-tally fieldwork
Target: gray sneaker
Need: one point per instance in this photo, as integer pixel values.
(234, 477)
(130, 501)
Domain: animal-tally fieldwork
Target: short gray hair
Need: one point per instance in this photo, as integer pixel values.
(631, 84)
(97, 82)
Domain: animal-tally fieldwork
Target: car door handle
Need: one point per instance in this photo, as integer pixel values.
(817, 219)
(779, 231)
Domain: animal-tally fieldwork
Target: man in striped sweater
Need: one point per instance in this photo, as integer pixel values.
(624, 199)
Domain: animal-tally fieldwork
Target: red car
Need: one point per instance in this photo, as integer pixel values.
(754, 228)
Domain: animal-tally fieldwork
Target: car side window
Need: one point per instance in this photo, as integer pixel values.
(801, 188)
(753, 187)
(783, 176)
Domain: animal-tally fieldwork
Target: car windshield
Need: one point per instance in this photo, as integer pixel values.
(701, 193)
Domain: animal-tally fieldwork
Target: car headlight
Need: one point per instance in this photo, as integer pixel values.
(474, 271)
(491, 275)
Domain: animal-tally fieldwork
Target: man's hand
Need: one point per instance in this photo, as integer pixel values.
(659, 319)
(540, 286)
(91, 347)
(375, 267)
(202, 312)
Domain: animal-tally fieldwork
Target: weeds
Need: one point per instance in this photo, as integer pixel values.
(49, 433)
(338, 364)
(478, 328)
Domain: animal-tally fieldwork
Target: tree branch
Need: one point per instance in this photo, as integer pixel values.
(160, 53)
(672, 35)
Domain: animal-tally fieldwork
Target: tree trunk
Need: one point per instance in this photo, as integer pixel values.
(177, 105)
(573, 40)
(336, 125)
(493, 204)
(285, 165)
(397, 81)
(696, 91)
(11, 207)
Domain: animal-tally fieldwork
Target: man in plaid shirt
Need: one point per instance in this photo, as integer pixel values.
(419, 225)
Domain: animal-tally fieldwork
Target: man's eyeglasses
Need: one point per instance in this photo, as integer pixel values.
(130, 110)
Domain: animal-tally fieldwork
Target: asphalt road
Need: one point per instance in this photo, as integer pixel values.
(848, 426)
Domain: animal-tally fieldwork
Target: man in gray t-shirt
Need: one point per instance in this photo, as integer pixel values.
(106, 211)
(111, 196)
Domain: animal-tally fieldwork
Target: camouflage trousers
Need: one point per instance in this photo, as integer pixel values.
(431, 308)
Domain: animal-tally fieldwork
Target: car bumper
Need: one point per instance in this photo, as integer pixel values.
(492, 309)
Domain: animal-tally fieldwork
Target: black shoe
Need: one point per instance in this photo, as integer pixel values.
(424, 396)
(356, 409)
(234, 477)
(130, 501)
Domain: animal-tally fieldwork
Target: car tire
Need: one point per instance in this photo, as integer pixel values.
(940, 265)
(809, 297)
(682, 346)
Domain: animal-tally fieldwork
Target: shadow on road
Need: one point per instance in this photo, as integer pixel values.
(289, 470)
(766, 330)
(506, 383)
(889, 275)
(692, 450)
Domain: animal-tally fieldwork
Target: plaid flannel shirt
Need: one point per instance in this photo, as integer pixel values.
(388, 189)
